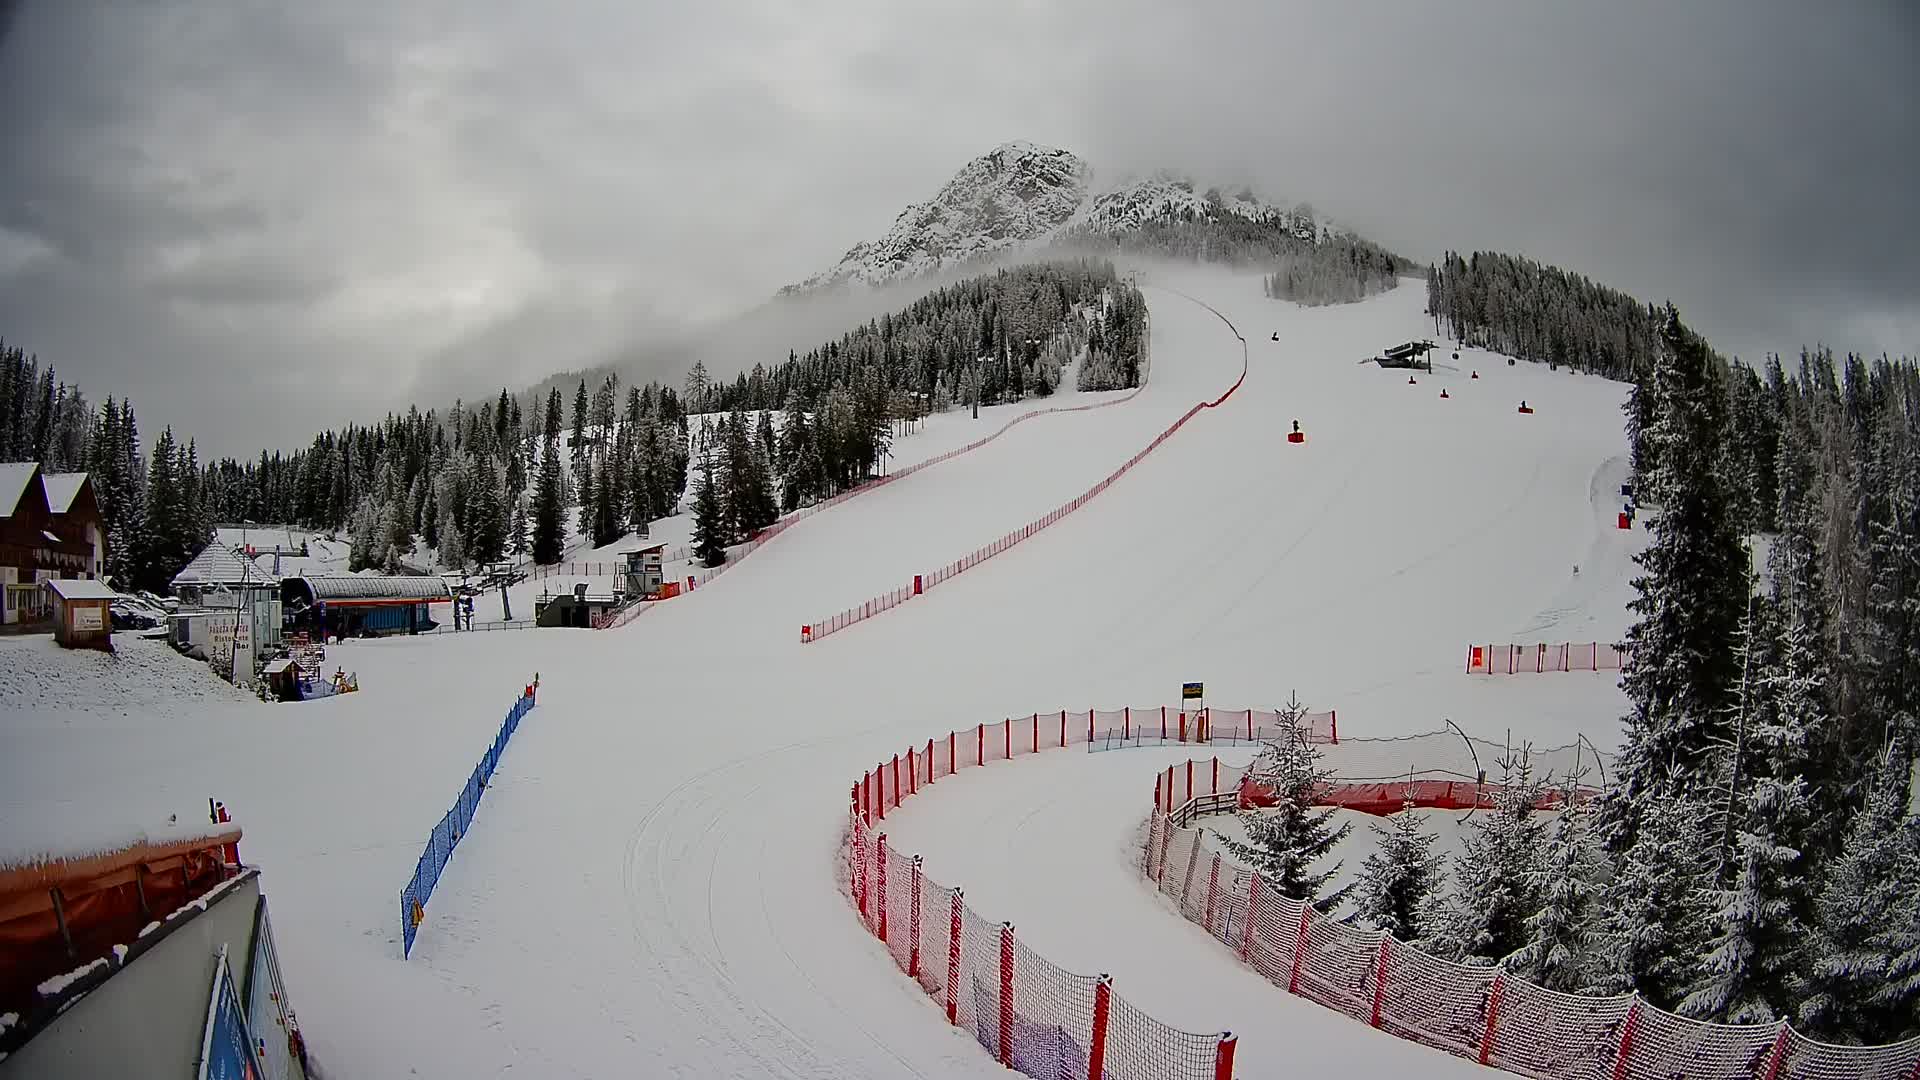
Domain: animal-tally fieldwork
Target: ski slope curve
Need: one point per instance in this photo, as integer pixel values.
(650, 885)
(813, 631)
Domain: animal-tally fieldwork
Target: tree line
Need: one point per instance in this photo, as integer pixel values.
(1755, 855)
(503, 479)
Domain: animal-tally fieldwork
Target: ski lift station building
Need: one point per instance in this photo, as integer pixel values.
(363, 605)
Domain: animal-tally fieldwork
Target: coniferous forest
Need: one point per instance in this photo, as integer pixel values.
(504, 478)
(1762, 857)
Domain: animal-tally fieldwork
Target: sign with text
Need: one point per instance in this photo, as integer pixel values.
(1192, 691)
(92, 617)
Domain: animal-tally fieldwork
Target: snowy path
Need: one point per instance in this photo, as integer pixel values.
(649, 885)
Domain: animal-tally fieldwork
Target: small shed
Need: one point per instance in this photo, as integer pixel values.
(645, 571)
(578, 608)
(81, 619)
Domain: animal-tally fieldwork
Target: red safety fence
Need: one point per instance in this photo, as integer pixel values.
(1541, 658)
(1031, 1015)
(833, 624)
(735, 554)
(1478, 1013)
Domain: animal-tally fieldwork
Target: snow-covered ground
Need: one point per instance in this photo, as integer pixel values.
(649, 886)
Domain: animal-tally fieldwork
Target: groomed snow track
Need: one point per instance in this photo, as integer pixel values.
(656, 888)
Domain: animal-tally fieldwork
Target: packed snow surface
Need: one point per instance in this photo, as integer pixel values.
(649, 886)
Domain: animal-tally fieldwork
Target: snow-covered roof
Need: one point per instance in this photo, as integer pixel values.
(81, 589)
(375, 587)
(261, 537)
(14, 477)
(61, 488)
(217, 565)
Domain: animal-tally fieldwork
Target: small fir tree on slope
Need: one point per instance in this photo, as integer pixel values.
(1755, 966)
(1398, 876)
(1287, 843)
(1655, 922)
(1562, 936)
(1899, 939)
(709, 524)
(1870, 890)
(1497, 876)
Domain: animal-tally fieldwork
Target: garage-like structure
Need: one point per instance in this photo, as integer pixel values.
(362, 605)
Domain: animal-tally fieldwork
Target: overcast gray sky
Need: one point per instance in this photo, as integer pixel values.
(259, 220)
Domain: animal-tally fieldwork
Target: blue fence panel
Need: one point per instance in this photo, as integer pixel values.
(453, 825)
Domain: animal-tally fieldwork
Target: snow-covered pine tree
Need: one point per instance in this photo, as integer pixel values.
(1563, 936)
(1398, 876)
(1691, 596)
(486, 518)
(697, 386)
(763, 432)
(1288, 842)
(1496, 877)
(1754, 970)
(709, 519)
(1655, 912)
(517, 538)
(1870, 889)
(549, 500)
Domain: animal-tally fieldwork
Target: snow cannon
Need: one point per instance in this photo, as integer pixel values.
(1456, 356)
(1296, 435)
(1411, 380)
(1476, 374)
(1276, 335)
(1525, 408)
(1443, 393)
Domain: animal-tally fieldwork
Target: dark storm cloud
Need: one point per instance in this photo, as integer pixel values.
(257, 221)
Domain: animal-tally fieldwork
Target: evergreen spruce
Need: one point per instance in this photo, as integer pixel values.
(549, 501)
(1654, 925)
(1563, 936)
(709, 520)
(1288, 843)
(1497, 876)
(1681, 666)
(1398, 877)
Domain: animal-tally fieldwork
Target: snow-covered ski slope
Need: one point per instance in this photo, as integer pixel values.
(649, 887)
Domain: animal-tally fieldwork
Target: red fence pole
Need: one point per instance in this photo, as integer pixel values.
(1778, 1055)
(1223, 1056)
(1380, 977)
(1189, 797)
(980, 750)
(1216, 776)
(1213, 889)
(1036, 733)
(1627, 1031)
(1333, 721)
(932, 773)
(1006, 994)
(1126, 722)
(1063, 728)
(1253, 916)
(1163, 723)
(913, 774)
(913, 925)
(880, 850)
(1102, 1005)
(896, 781)
(880, 790)
(1007, 733)
(1300, 951)
(860, 852)
(952, 762)
(1493, 1015)
(953, 956)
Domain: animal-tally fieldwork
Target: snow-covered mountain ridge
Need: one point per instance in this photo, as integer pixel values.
(1022, 194)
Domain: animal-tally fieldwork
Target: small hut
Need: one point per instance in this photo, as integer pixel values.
(81, 619)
